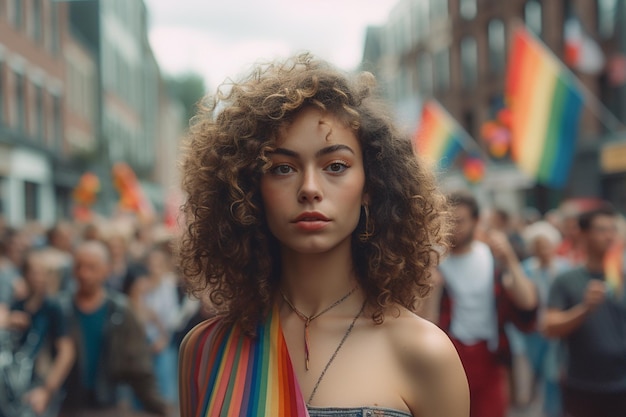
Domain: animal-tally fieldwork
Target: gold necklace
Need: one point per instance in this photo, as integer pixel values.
(308, 319)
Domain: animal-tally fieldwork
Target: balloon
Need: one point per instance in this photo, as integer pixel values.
(474, 169)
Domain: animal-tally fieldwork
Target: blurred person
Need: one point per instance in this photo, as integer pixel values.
(12, 285)
(483, 288)
(542, 267)
(591, 321)
(313, 228)
(572, 245)
(117, 243)
(60, 239)
(500, 219)
(92, 231)
(160, 297)
(42, 350)
(142, 242)
(111, 343)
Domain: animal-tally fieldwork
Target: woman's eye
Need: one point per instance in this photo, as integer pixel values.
(337, 167)
(281, 169)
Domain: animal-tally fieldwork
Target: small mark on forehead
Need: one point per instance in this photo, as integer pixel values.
(323, 122)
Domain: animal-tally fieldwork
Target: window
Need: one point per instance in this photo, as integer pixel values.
(607, 11)
(469, 62)
(425, 74)
(467, 9)
(37, 23)
(439, 9)
(496, 39)
(20, 102)
(2, 93)
(532, 16)
(18, 14)
(54, 28)
(31, 200)
(3, 195)
(442, 69)
(422, 21)
(57, 112)
(469, 122)
(39, 113)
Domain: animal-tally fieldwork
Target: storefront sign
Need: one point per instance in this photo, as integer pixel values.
(613, 157)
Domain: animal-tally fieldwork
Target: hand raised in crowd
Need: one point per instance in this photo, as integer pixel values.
(594, 294)
(500, 246)
(38, 399)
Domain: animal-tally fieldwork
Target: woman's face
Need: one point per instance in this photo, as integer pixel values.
(313, 191)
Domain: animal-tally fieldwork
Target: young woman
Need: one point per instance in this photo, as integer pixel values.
(313, 226)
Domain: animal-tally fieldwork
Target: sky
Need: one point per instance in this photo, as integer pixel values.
(223, 38)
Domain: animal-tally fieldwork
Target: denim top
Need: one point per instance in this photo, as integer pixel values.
(356, 412)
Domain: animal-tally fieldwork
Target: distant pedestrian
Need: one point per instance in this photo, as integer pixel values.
(483, 290)
(591, 320)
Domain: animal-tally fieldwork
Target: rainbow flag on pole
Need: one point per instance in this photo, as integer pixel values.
(438, 137)
(614, 269)
(545, 103)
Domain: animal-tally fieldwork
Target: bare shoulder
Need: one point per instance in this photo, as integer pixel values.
(435, 378)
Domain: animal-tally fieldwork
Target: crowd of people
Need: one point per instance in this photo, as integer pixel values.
(100, 311)
(91, 317)
(539, 327)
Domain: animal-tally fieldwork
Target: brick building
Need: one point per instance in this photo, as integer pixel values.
(456, 52)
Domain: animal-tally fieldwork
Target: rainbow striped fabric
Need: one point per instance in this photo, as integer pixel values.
(614, 269)
(223, 372)
(545, 104)
(437, 137)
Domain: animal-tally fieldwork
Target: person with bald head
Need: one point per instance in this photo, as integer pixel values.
(111, 346)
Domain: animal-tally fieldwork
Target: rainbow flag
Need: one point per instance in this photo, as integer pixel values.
(545, 103)
(438, 137)
(614, 269)
(224, 372)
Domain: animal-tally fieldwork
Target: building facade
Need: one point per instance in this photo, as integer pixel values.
(32, 108)
(80, 89)
(456, 52)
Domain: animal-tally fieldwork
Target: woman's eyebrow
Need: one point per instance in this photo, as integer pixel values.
(285, 152)
(324, 151)
(333, 148)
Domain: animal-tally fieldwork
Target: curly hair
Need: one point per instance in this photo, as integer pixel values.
(227, 248)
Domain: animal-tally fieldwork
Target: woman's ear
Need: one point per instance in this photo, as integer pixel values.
(365, 200)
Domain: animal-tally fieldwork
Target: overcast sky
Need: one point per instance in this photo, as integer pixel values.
(222, 38)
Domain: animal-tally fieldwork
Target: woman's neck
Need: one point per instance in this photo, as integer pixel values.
(313, 282)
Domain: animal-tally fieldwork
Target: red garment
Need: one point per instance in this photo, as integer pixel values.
(506, 311)
(487, 379)
(487, 370)
(574, 254)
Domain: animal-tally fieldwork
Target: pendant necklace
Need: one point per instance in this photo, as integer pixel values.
(308, 319)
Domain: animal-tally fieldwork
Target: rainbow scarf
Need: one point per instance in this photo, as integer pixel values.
(614, 268)
(226, 373)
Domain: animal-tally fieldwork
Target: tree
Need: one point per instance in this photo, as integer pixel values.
(188, 88)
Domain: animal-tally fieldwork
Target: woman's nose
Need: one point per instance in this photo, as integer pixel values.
(310, 189)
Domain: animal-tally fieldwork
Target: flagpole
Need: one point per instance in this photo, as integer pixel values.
(467, 141)
(608, 119)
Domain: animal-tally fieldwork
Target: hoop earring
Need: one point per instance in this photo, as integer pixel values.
(369, 227)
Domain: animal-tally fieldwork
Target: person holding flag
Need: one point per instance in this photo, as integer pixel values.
(587, 310)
